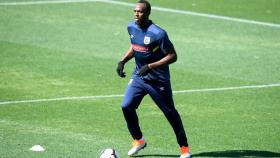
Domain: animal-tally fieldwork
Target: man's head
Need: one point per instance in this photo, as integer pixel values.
(142, 11)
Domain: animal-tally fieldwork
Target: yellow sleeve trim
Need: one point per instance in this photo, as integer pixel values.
(155, 48)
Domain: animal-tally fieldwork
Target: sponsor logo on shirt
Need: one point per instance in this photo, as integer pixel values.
(139, 48)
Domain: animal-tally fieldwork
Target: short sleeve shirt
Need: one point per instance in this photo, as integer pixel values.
(149, 45)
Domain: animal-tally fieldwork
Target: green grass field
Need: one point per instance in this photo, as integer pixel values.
(63, 50)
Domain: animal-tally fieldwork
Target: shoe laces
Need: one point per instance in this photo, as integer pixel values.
(184, 150)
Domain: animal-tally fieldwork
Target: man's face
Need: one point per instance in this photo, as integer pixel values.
(140, 13)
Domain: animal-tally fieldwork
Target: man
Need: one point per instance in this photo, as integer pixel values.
(153, 52)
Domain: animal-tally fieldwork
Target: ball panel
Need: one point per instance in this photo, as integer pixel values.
(109, 153)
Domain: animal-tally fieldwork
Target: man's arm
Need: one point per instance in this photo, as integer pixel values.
(170, 57)
(127, 56)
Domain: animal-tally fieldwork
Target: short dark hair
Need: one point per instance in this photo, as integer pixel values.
(147, 4)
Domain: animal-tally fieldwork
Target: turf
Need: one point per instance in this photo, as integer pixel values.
(260, 10)
(64, 50)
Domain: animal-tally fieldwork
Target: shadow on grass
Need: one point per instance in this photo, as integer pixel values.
(228, 153)
(238, 153)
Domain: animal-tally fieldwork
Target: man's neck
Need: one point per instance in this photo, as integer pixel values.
(145, 24)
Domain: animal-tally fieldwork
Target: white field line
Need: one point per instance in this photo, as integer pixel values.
(198, 14)
(120, 95)
(61, 99)
(228, 88)
(154, 8)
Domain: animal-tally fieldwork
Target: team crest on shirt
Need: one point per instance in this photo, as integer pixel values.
(147, 40)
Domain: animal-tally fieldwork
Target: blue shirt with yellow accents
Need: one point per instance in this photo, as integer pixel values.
(149, 45)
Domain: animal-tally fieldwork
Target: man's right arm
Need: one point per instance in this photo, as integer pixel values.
(127, 56)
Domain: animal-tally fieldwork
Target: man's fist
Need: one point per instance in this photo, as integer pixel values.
(144, 70)
(120, 68)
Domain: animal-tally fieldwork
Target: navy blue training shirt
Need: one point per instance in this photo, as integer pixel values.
(150, 44)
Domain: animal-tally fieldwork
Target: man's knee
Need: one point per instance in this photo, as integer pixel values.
(131, 103)
(126, 104)
(170, 112)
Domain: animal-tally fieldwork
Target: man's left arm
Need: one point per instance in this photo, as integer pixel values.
(170, 57)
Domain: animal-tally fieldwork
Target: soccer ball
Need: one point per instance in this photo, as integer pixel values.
(109, 153)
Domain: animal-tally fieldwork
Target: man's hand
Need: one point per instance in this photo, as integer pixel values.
(144, 70)
(120, 68)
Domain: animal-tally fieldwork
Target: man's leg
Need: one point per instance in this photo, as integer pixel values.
(161, 93)
(133, 96)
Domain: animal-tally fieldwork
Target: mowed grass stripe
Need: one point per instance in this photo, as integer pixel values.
(154, 8)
